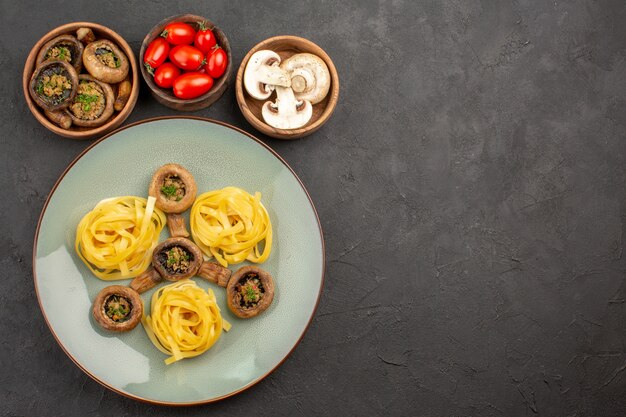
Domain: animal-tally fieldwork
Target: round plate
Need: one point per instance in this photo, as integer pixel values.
(218, 155)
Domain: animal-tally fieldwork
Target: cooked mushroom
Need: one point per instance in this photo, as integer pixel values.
(174, 188)
(117, 308)
(105, 61)
(214, 272)
(146, 280)
(250, 291)
(287, 112)
(177, 258)
(176, 225)
(93, 104)
(310, 77)
(63, 48)
(53, 85)
(85, 35)
(263, 73)
(123, 94)
(60, 118)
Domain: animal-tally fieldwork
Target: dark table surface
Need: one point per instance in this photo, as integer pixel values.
(471, 189)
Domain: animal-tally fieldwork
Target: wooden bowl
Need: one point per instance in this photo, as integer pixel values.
(285, 47)
(77, 132)
(165, 96)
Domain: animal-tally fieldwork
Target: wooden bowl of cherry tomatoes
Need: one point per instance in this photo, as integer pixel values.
(186, 62)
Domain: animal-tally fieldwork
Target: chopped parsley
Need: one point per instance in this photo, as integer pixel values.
(250, 293)
(86, 100)
(63, 52)
(169, 190)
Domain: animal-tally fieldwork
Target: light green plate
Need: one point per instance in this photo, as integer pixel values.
(218, 156)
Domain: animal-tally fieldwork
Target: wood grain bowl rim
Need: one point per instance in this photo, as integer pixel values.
(119, 118)
(288, 134)
(165, 94)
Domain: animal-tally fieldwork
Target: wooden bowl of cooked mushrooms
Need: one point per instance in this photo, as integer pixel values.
(287, 87)
(80, 80)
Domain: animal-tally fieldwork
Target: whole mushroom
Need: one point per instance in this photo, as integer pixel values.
(263, 74)
(310, 77)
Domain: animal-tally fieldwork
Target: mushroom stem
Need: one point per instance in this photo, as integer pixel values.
(146, 280)
(215, 273)
(287, 112)
(176, 225)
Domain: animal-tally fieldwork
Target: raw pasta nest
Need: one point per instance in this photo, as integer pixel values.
(184, 321)
(232, 226)
(115, 240)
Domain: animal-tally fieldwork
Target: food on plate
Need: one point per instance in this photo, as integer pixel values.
(105, 61)
(93, 104)
(177, 258)
(179, 33)
(250, 291)
(287, 112)
(263, 74)
(156, 54)
(192, 85)
(123, 94)
(310, 77)
(173, 187)
(85, 35)
(300, 82)
(176, 225)
(117, 308)
(205, 38)
(217, 61)
(146, 280)
(115, 240)
(53, 85)
(232, 226)
(184, 321)
(63, 48)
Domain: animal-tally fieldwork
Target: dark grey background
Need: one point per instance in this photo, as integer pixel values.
(470, 185)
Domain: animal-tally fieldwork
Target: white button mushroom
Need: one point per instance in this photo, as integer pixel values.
(310, 77)
(287, 112)
(263, 73)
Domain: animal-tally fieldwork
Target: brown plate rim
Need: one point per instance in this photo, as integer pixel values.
(60, 179)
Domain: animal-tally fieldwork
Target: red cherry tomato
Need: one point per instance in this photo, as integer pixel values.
(205, 39)
(179, 33)
(192, 84)
(201, 71)
(165, 75)
(217, 62)
(156, 54)
(187, 57)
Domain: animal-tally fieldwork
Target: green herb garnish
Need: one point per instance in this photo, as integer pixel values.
(169, 190)
(63, 52)
(250, 294)
(86, 100)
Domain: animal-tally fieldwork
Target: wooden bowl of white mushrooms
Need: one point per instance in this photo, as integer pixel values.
(287, 87)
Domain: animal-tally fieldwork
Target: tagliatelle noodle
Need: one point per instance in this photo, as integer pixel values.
(232, 226)
(115, 239)
(184, 321)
